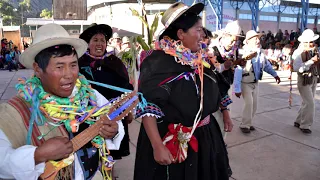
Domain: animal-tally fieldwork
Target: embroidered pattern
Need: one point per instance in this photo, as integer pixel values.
(226, 100)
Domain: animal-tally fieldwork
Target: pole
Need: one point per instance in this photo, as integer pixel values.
(217, 19)
(237, 13)
(21, 15)
(81, 27)
(204, 18)
(278, 20)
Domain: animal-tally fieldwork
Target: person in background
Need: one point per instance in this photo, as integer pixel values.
(269, 34)
(207, 36)
(297, 34)
(2, 60)
(100, 66)
(115, 44)
(307, 64)
(286, 58)
(292, 34)
(279, 36)
(9, 59)
(17, 54)
(25, 45)
(286, 35)
(246, 80)
(125, 46)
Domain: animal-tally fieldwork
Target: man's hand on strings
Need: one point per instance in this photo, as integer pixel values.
(109, 128)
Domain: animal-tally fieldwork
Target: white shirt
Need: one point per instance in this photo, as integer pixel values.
(20, 164)
(298, 64)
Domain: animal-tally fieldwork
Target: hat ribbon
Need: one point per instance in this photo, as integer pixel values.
(174, 15)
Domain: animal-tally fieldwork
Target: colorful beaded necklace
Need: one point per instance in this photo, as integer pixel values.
(57, 111)
(70, 112)
(184, 56)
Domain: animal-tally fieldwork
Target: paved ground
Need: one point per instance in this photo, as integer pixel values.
(275, 151)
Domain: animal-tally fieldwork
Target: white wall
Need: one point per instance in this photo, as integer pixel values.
(119, 16)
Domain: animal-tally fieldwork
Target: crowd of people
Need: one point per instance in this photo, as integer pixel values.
(10, 54)
(186, 85)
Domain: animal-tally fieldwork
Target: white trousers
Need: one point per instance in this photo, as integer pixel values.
(250, 93)
(306, 113)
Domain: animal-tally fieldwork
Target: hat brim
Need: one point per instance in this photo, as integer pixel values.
(196, 9)
(238, 35)
(257, 35)
(303, 39)
(93, 30)
(27, 58)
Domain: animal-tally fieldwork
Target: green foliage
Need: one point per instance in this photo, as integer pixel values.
(143, 44)
(129, 58)
(9, 13)
(24, 5)
(45, 13)
(151, 29)
(142, 19)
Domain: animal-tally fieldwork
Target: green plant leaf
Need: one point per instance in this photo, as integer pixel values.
(154, 26)
(143, 44)
(136, 13)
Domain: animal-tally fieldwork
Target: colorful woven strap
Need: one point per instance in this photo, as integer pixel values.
(20, 105)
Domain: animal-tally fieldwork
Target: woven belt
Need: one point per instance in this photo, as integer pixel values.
(204, 122)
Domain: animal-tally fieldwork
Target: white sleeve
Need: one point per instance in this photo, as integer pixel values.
(18, 163)
(221, 68)
(112, 144)
(299, 66)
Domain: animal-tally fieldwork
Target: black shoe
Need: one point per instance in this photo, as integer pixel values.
(245, 130)
(252, 128)
(306, 131)
(296, 124)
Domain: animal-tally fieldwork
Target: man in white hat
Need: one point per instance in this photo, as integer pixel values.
(306, 64)
(226, 52)
(116, 43)
(36, 125)
(125, 46)
(246, 79)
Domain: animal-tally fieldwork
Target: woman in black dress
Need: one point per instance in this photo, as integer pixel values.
(171, 78)
(97, 65)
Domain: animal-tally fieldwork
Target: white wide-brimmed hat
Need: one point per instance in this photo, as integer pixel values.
(115, 36)
(233, 28)
(250, 34)
(308, 36)
(175, 11)
(125, 39)
(47, 36)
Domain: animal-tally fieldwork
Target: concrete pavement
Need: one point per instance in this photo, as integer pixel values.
(275, 151)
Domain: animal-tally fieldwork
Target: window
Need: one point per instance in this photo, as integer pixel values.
(268, 18)
(310, 21)
(288, 19)
(245, 16)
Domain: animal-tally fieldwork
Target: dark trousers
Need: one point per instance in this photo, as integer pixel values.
(12, 65)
